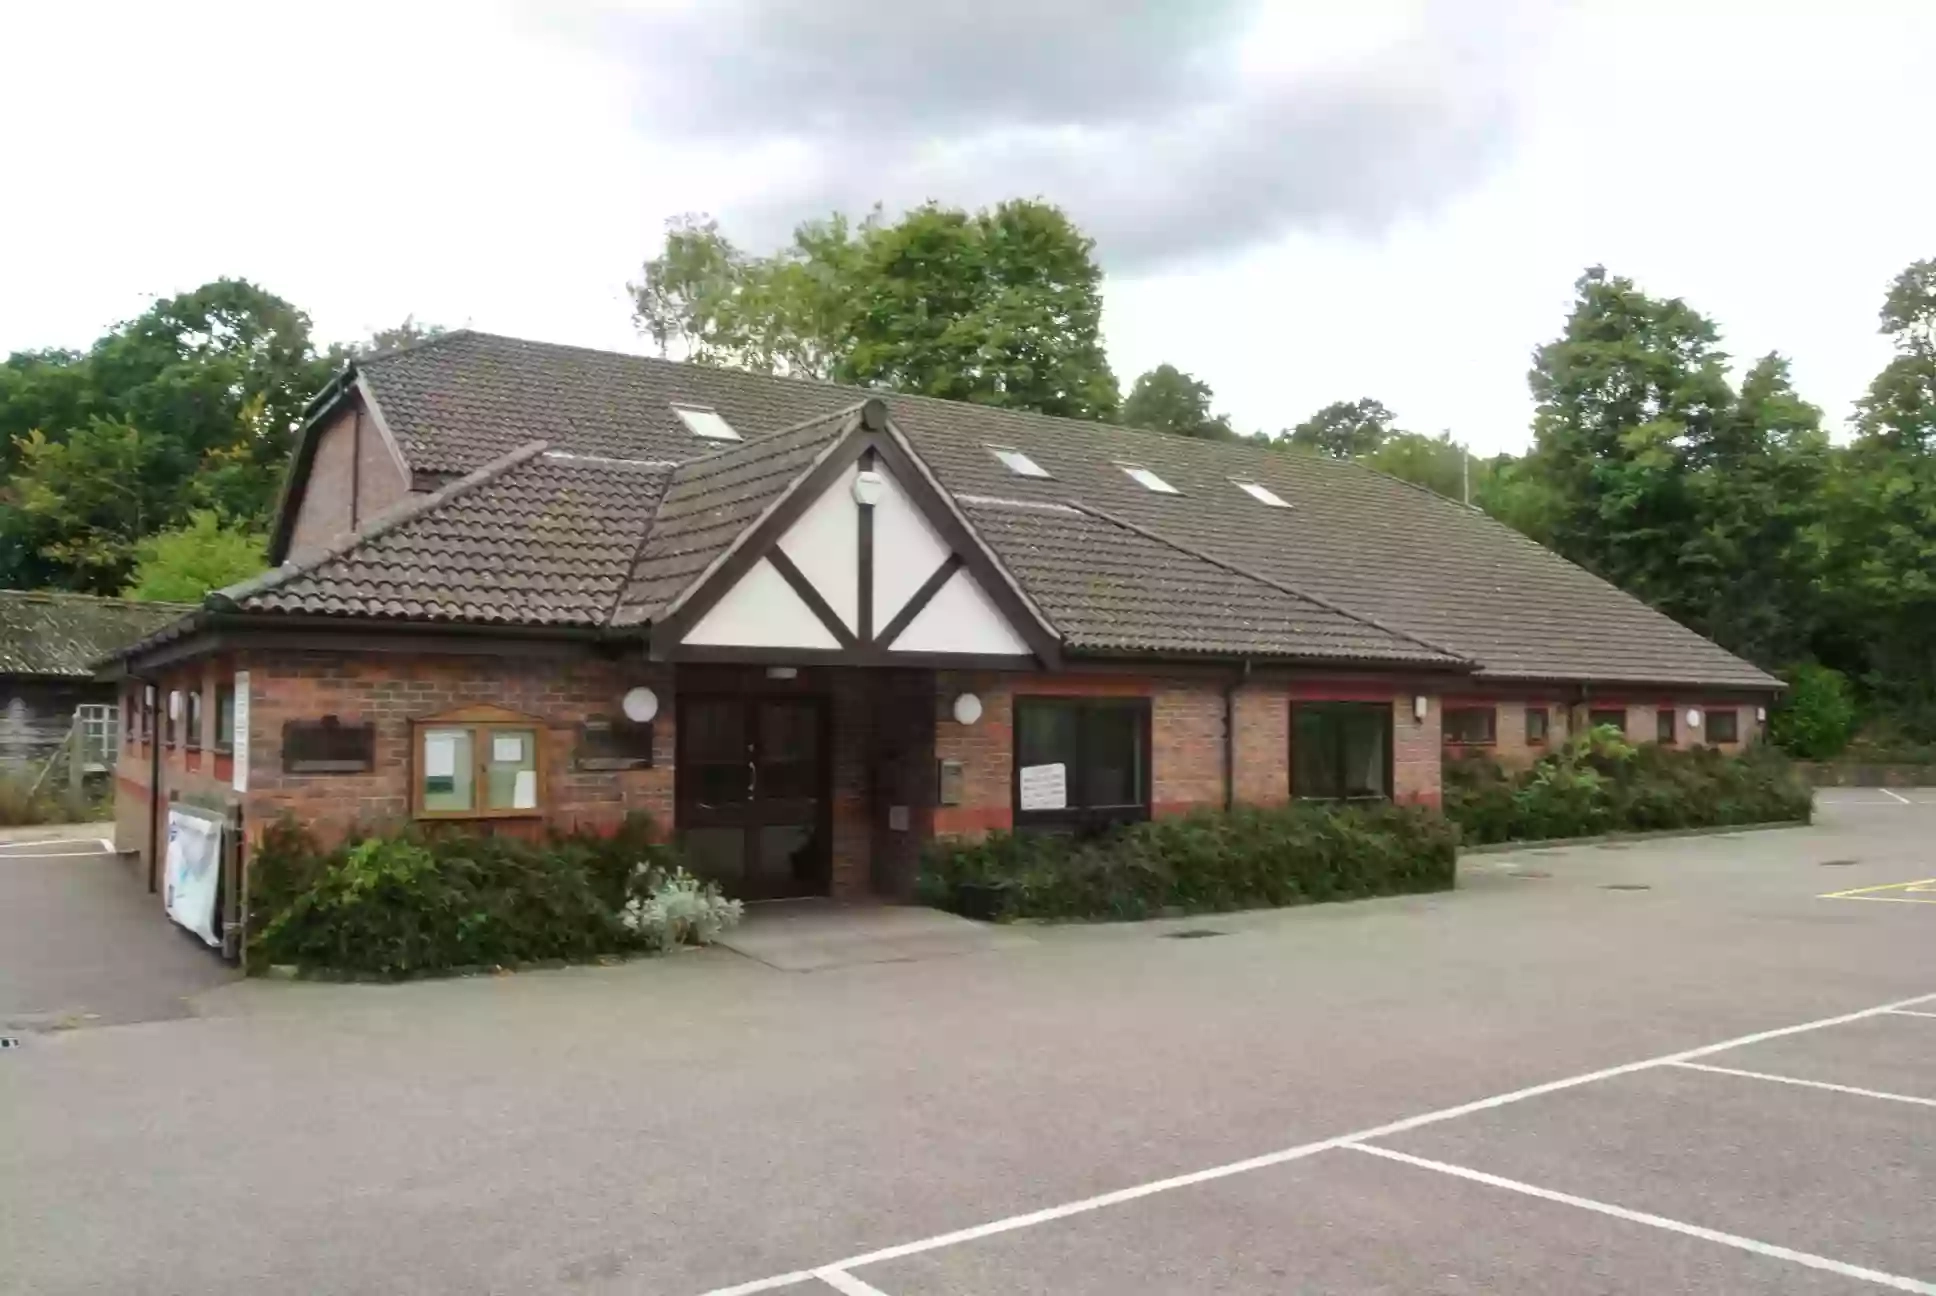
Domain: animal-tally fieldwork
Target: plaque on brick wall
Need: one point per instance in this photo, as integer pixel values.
(327, 746)
(614, 743)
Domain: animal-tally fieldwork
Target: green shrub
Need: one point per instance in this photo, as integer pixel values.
(1249, 857)
(21, 804)
(1817, 716)
(439, 897)
(1597, 783)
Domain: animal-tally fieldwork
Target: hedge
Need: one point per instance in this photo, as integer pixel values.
(433, 899)
(1597, 783)
(1249, 857)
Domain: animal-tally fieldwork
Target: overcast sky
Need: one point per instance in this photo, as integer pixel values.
(1298, 202)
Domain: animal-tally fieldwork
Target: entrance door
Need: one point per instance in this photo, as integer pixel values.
(752, 793)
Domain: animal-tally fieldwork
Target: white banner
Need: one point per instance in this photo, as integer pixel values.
(1044, 787)
(194, 871)
(239, 740)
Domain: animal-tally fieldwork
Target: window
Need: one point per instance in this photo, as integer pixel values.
(128, 721)
(1664, 726)
(1017, 462)
(192, 720)
(705, 422)
(476, 769)
(170, 721)
(1261, 493)
(1081, 762)
(1340, 750)
(1148, 480)
(327, 746)
(225, 718)
(1723, 726)
(1539, 723)
(1476, 726)
(1612, 717)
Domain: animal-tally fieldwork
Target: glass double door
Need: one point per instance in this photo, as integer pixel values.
(752, 792)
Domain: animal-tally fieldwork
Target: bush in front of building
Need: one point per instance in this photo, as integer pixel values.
(1246, 858)
(1598, 783)
(429, 900)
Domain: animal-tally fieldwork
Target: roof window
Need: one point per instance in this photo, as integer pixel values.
(1261, 493)
(1017, 462)
(701, 420)
(1148, 480)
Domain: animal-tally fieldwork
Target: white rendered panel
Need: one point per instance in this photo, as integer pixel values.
(961, 618)
(824, 544)
(761, 611)
(906, 551)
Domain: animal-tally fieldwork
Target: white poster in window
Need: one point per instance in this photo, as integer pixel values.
(440, 755)
(1045, 787)
(524, 791)
(508, 749)
(239, 740)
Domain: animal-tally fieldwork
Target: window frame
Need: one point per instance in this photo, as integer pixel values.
(1667, 726)
(224, 693)
(1081, 818)
(1382, 709)
(1621, 725)
(483, 723)
(170, 726)
(1261, 493)
(1491, 726)
(724, 434)
(1010, 458)
(1707, 724)
(1148, 478)
(1545, 734)
(192, 719)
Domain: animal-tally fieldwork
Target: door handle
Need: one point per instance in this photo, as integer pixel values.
(752, 779)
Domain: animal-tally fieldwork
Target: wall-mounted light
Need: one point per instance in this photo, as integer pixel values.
(967, 708)
(1693, 718)
(782, 672)
(1421, 707)
(1761, 714)
(868, 486)
(174, 705)
(640, 704)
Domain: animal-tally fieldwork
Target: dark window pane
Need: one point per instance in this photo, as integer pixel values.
(714, 730)
(1364, 753)
(719, 784)
(1045, 733)
(1724, 726)
(1111, 767)
(1538, 721)
(1609, 717)
(788, 731)
(225, 717)
(1470, 724)
(716, 852)
(1664, 726)
(1314, 754)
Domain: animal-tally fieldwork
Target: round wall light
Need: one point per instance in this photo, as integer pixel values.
(640, 704)
(967, 708)
(1693, 718)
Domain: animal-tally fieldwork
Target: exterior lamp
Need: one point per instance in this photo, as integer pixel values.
(967, 708)
(640, 704)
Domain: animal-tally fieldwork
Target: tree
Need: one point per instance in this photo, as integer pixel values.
(1168, 400)
(1345, 429)
(184, 563)
(1001, 307)
(86, 501)
(386, 340)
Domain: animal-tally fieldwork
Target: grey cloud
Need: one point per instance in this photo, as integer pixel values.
(1137, 126)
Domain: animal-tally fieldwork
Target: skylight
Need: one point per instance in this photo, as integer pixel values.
(1148, 480)
(704, 422)
(1261, 493)
(1017, 462)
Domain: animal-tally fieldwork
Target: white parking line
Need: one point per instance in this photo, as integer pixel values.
(842, 1281)
(1895, 796)
(1658, 1221)
(1909, 1012)
(1121, 1195)
(1808, 1084)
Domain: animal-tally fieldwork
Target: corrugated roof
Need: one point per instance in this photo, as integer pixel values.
(46, 632)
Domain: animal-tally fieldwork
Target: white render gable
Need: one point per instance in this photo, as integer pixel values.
(761, 611)
(960, 618)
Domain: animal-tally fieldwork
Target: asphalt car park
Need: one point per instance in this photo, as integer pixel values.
(1693, 1064)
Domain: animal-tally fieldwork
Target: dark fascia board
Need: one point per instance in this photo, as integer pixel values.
(337, 393)
(1418, 676)
(219, 632)
(1586, 690)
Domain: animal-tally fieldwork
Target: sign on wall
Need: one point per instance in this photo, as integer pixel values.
(194, 871)
(239, 740)
(1044, 787)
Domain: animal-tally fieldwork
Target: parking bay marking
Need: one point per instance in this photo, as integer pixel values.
(1121, 1195)
(1656, 1221)
(1806, 1084)
(1920, 892)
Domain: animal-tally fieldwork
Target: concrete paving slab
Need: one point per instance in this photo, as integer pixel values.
(1841, 1176)
(1345, 1224)
(814, 935)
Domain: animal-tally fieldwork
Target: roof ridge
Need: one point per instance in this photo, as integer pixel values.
(1262, 579)
(746, 443)
(77, 596)
(418, 344)
(226, 599)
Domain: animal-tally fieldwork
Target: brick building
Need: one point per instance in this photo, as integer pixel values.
(808, 629)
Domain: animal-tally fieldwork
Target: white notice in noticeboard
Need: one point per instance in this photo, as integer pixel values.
(440, 755)
(508, 749)
(239, 740)
(1045, 787)
(524, 790)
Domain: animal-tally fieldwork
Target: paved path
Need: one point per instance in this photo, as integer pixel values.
(1534, 1084)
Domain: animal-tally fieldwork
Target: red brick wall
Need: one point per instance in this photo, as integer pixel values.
(1511, 747)
(353, 477)
(197, 777)
(1416, 758)
(1263, 714)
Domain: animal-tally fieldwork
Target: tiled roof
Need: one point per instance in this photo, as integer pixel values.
(1112, 588)
(532, 538)
(711, 501)
(44, 632)
(1380, 549)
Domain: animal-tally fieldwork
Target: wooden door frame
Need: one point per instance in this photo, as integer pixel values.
(749, 699)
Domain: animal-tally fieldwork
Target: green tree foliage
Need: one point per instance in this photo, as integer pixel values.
(183, 563)
(1001, 306)
(408, 333)
(1344, 429)
(193, 404)
(1168, 400)
(1817, 716)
